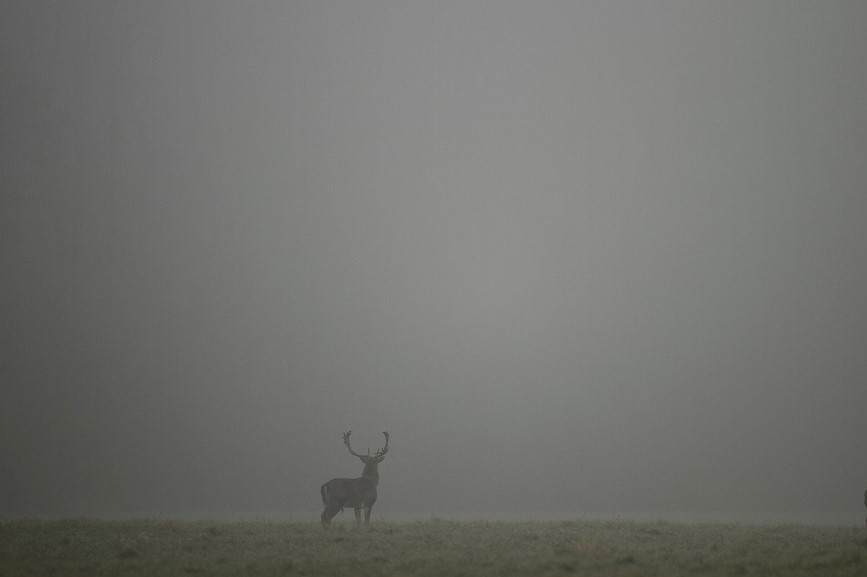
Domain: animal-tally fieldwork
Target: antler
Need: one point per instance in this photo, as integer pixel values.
(348, 446)
(379, 453)
(383, 450)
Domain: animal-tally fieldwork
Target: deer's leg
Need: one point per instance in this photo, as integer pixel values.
(357, 517)
(367, 510)
(329, 512)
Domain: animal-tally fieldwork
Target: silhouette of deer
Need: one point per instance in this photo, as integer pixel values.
(359, 493)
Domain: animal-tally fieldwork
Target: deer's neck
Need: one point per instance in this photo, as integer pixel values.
(370, 472)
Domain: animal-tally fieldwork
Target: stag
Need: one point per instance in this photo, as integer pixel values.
(359, 493)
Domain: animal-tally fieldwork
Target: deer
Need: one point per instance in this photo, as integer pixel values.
(358, 493)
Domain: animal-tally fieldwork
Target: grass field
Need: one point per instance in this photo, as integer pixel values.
(442, 548)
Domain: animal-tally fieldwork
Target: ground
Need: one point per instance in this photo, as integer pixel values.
(435, 547)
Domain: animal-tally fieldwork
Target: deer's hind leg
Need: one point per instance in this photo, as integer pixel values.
(329, 512)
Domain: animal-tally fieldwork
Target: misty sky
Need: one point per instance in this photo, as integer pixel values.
(574, 256)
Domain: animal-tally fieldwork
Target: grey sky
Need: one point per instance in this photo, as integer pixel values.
(574, 256)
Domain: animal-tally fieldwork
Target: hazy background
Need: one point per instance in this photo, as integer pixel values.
(576, 257)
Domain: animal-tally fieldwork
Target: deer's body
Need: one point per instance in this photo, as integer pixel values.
(358, 493)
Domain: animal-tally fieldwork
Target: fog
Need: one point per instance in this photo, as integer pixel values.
(578, 258)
